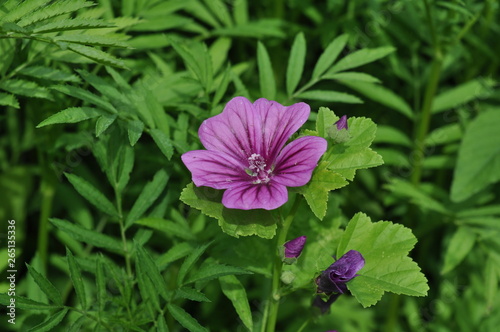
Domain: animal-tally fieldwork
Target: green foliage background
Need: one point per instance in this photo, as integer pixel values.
(99, 100)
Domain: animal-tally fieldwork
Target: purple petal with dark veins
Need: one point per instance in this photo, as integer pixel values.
(296, 162)
(255, 196)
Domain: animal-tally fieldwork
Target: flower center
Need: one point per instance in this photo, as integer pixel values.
(257, 168)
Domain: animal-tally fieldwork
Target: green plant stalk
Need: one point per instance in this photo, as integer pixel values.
(47, 191)
(272, 306)
(122, 233)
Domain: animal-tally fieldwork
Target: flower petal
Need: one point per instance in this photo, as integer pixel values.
(279, 123)
(236, 131)
(297, 161)
(255, 196)
(214, 169)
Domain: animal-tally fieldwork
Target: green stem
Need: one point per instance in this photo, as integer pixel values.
(122, 233)
(272, 305)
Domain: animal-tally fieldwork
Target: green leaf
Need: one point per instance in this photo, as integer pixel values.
(51, 322)
(103, 86)
(163, 142)
(389, 134)
(92, 40)
(266, 73)
(235, 292)
(168, 227)
(324, 121)
(149, 267)
(213, 271)
(478, 163)
(91, 194)
(25, 88)
(190, 261)
(50, 74)
(135, 129)
(147, 197)
(88, 236)
(328, 57)
(96, 55)
(351, 76)
(416, 195)
(176, 252)
(316, 191)
(68, 24)
(85, 95)
(71, 115)
(76, 279)
(8, 100)
(295, 63)
(478, 88)
(26, 304)
(52, 10)
(100, 279)
(46, 286)
(185, 319)
(104, 122)
(191, 294)
(330, 96)
(22, 9)
(347, 157)
(460, 245)
(385, 247)
(381, 95)
(232, 221)
(361, 57)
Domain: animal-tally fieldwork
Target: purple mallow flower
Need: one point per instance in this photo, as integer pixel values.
(294, 247)
(335, 277)
(342, 123)
(246, 153)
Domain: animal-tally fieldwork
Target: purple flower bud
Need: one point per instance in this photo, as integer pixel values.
(342, 123)
(294, 247)
(335, 277)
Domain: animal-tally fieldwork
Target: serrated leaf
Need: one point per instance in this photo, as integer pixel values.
(461, 94)
(85, 95)
(381, 95)
(361, 57)
(151, 270)
(330, 96)
(147, 197)
(235, 292)
(295, 63)
(100, 279)
(96, 55)
(185, 319)
(48, 73)
(92, 40)
(72, 24)
(91, 194)
(135, 129)
(71, 115)
(461, 243)
(190, 261)
(478, 163)
(266, 73)
(163, 142)
(168, 227)
(104, 122)
(347, 157)
(385, 247)
(8, 100)
(51, 322)
(53, 10)
(329, 55)
(76, 278)
(325, 120)
(22, 9)
(25, 88)
(46, 286)
(102, 86)
(27, 304)
(316, 191)
(88, 236)
(176, 252)
(214, 271)
(233, 222)
(147, 289)
(191, 294)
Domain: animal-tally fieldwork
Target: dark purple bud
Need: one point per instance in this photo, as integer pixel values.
(324, 306)
(342, 123)
(294, 247)
(335, 277)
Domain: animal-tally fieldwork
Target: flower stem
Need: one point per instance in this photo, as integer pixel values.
(272, 306)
